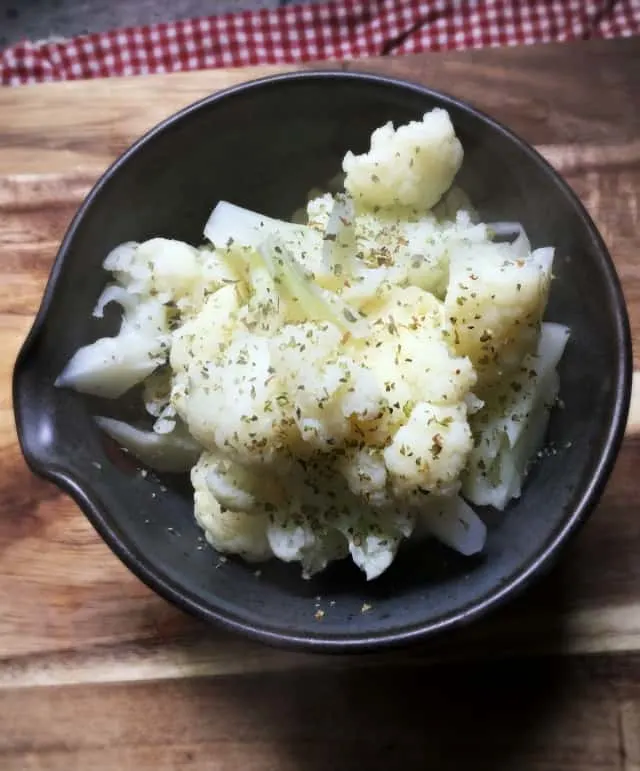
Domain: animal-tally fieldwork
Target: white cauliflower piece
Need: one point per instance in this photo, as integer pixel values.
(454, 523)
(495, 303)
(375, 535)
(253, 427)
(394, 251)
(428, 454)
(373, 552)
(156, 395)
(326, 389)
(510, 428)
(175, 452)
(215, 271)
(239, 488)
(296, 539)
(171, 271)
(112, 365)
(203, 338)
(200, 340)
(410, 352)
(412, 166)
(319, 211)
(325, 521)
(229, 532)
(158, 266)
(303, 529)
(362, 397)
(365, 472)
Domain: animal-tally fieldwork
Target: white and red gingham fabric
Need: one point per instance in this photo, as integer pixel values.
(342, 29)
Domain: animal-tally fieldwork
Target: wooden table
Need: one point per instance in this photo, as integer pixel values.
(96, 673)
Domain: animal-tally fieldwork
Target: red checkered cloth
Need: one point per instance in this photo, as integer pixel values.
(338, 30)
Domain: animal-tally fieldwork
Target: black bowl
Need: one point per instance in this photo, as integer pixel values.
(263, 145)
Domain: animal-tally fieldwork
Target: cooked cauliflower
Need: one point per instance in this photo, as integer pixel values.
(230, 532)
(428, 453)
(411, 166)
(337, 382)
(112, 365)
(495, 302)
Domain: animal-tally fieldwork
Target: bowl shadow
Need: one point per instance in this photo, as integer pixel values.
(411, 709)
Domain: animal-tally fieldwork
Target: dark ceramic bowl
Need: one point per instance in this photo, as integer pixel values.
(263, 145)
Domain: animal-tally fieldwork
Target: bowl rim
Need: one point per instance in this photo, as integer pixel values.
(144, 569)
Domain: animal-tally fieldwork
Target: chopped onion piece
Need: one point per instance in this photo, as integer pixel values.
(300, 288)
(230, 224)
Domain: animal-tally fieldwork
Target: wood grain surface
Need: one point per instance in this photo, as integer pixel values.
(98, 673)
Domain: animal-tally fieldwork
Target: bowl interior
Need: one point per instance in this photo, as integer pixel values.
(264, 146)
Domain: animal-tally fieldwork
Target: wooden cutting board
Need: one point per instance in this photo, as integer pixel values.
(98, 673)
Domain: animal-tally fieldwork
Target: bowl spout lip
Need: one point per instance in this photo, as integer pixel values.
(346, 642)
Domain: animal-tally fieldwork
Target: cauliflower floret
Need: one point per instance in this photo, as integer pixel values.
(255, 425)
(174, 272)
(412, 166)
(414, 252)
(229, 532)
(411, 355)
(112, 365)
(418, 366)
(325, 521)
(157, 266)
(326, 389)
(362, 396)
(495, 303)
(215, 273)
(404, 307)
(296, 347)
(395, 251)
(214, 356)
(365, 472)
(303, 528)
(374, 535)
(232, 229)
(239, 488)
(296, 539)
(510, 428)
(173, 452)
(318, 413)
(453, 522)
(318, 212)
(201, 340)
(374, 552)
(429, 453)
